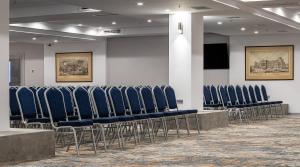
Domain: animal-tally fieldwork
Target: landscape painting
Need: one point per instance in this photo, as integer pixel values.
(74, 67)
(269, 62)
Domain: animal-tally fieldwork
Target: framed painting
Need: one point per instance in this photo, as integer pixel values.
(269, 62)
(74, 67)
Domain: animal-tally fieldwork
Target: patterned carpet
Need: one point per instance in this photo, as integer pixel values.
(269, 143)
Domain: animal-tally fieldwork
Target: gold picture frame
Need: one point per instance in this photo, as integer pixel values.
(269, 62)
(74, 67)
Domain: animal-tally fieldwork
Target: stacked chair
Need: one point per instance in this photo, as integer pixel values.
(243, 103)
(100, 116)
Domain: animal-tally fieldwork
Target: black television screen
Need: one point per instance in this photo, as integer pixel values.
(216, 56)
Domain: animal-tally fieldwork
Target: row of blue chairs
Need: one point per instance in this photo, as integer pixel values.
(119, 112)
(244, 103)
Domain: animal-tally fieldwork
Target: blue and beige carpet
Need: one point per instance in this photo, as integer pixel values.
(267, 143)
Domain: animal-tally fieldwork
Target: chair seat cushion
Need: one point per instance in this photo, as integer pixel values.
(75, 123)
(15, 117)
(39, 120)
(171, 113)
(141, 116)
(183, 112)
(125, 118)
(156, 115)
(106, 120)
(73, 117)
(212, 105)
(276, 102)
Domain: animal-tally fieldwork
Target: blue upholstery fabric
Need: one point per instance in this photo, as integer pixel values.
(214, 95)
(54, 97)
(232, 95)
(141, 116)
(224, 96)
(83, 103)
(148, 100)
(252, 94)
(246, 95)
(207, 95)
(39, 120)
(239, 94)
(68, 101)
(106, 120)
(117, 101)
(15, 117)
(13, 102)
(75, 123)
(34, 90)
(133, 99)
(42, 100)
(171, 97)
(108, 96)
(125, 118)
(156, 115)
(258, 93)
(160, 99)
(101, 102)
(123, 90)
(27, 103)
(264, 93)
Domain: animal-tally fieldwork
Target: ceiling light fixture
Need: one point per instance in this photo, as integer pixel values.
(114, 23)
(149, 21)
(89, 10)
(139, 3)
(55, 41)
(219, 23)
(168, 10)
(79, 25)
(180, 28)
(256, 32)
(243, 29)
(34, 38)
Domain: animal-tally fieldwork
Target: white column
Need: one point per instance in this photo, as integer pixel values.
(4, 58)
(186, 58)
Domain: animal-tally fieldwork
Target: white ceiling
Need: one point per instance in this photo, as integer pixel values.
(59, 19)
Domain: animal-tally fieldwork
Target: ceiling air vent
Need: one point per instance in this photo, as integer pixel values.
(200, 8)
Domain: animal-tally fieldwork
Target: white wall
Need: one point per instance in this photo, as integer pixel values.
(288, 91)
(32, 65)
(99, 61)
(216, 76)
(138, 60)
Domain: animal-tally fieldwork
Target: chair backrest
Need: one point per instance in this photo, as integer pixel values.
(123, 90)
(134, 102)
(40, 93)
(116, 98)
(264, 93)
(239, 94)
(13, 102)
(101, 103)
(34, 90)
(55, 104)
(147, 100)
(252, 94)
(160, 99)
(246, 95)
(83, 103)
(68, 101)
(224, 96)
(26, 103)
(258, 93)
(171, 97)
(214, 94)
(232, 95)
(207, 95)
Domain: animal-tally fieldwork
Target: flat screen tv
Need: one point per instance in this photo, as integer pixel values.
(216, 56)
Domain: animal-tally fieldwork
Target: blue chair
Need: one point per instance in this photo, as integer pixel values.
(135, 108)
(59, 119)
(27, 104)
(40, 93)
(215, 96)
(69, 103)
(209, 102)
(150, 109)
(172, 105)
(34, 90)
(15, 114)
(123, 90)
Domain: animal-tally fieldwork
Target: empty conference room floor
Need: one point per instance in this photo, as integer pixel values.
(267, 143)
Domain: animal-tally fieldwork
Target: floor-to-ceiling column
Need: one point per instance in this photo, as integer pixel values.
(186, 58)
(4, 58)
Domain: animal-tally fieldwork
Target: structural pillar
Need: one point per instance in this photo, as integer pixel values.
(186, 58)
(4, 59)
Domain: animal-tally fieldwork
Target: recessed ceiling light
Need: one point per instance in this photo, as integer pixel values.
(256, 32)
(114, 23)
(79, 25)
(167, 10)
(220, 23)
(87, 10)
(34, 38)
(149, 21)
(139, 3)
(55, 41)
(243, 29)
